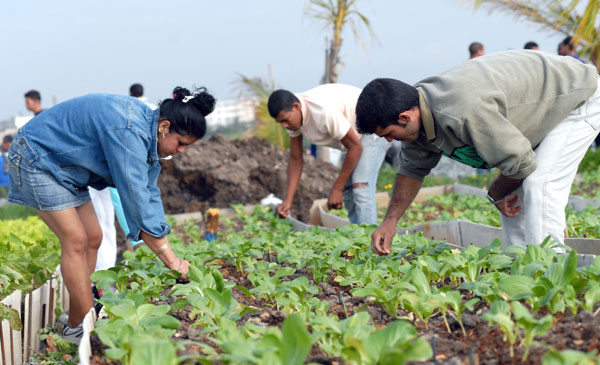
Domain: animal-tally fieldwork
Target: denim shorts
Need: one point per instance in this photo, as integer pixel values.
(38, 189)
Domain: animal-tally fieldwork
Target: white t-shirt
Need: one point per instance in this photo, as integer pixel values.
(328, 113)
(152, 106)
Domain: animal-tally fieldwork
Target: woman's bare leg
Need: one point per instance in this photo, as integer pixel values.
(71, 231)
(88, 218)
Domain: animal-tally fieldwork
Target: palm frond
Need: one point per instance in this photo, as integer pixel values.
(337, 15)
(558, 16)
(266, 127)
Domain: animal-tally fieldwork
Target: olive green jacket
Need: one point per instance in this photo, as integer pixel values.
(493, 111)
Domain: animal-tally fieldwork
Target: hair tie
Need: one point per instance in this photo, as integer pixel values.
(175, 96)
(188, 98)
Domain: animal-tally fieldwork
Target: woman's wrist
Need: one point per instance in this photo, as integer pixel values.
(169, 259)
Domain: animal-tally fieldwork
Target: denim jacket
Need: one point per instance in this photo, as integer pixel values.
(102, 140)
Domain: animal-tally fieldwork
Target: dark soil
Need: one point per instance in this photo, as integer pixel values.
(219, 172)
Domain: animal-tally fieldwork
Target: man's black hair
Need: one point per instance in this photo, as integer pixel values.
(567, 42)
(380, 103)
(474, 48)
(7, 138)
(136, 90)
(281, 100)
(33, 95)
(530, 45)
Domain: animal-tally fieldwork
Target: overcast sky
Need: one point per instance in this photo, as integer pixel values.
(70, 48)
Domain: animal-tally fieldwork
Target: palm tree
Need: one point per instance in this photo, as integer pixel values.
(265, 127)
(560, 16)
(336, 14)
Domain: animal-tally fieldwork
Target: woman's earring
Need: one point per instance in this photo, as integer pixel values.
(163, 136)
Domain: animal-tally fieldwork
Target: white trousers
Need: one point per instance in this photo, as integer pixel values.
(545, 193)
(107, 253)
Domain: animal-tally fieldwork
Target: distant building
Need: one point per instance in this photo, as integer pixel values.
(226, 112)
(7, 124)
(230, 111)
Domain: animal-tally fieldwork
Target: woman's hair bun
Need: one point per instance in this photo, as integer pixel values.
(204, 101)
(180, 92)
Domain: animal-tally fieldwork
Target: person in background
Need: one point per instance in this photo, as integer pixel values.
(567, 48)
(325, 116)
(33, 101)
(137, 91)
(4, 177)
(102, 140)
(547, 106)
(476, 50)
(531, 45)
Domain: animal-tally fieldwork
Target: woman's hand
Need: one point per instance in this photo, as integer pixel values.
(184, 267)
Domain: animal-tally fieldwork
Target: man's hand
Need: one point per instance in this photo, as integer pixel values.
(381, 239)
(336, 199)
(284, 209)
(507, 206)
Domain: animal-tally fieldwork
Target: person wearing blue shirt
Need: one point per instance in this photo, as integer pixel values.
(4, 178)
(567, 48)
(102, 140)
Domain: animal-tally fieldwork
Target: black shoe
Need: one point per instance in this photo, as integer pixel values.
(96, 296)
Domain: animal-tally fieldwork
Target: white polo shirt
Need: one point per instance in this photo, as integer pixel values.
(328, 113)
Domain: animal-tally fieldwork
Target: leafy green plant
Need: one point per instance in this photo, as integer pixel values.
(290, 345)
(135, 327)
(30, 254)
(571, 357)
(500, 314)
(453, 299)
(531, 326)
(397, 343)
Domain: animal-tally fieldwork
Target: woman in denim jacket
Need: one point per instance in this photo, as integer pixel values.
(102, 140)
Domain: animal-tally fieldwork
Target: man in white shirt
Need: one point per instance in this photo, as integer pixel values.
(325, 116)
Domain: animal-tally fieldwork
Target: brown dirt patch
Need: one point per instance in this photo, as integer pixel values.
(218, 172)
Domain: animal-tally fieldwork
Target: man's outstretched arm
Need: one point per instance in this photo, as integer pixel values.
(405, 190)
(294, 172)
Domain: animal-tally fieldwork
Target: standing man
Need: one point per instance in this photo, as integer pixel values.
(533, 115)
(326, 116)
(476, 50)
(33, 101)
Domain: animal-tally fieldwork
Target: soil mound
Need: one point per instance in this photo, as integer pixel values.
(218, 172)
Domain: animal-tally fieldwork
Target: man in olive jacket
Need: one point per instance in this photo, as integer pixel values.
(531, 114)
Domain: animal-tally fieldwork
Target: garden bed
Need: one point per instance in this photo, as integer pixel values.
(272, 294)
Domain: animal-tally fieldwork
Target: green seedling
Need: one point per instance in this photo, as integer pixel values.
(397, 343)
(531, 327)
(133, 324)
(592, 296)
(453, 299)
(571, 357)
(500, 314)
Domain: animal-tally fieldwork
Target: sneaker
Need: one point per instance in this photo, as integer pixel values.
(73, 335)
